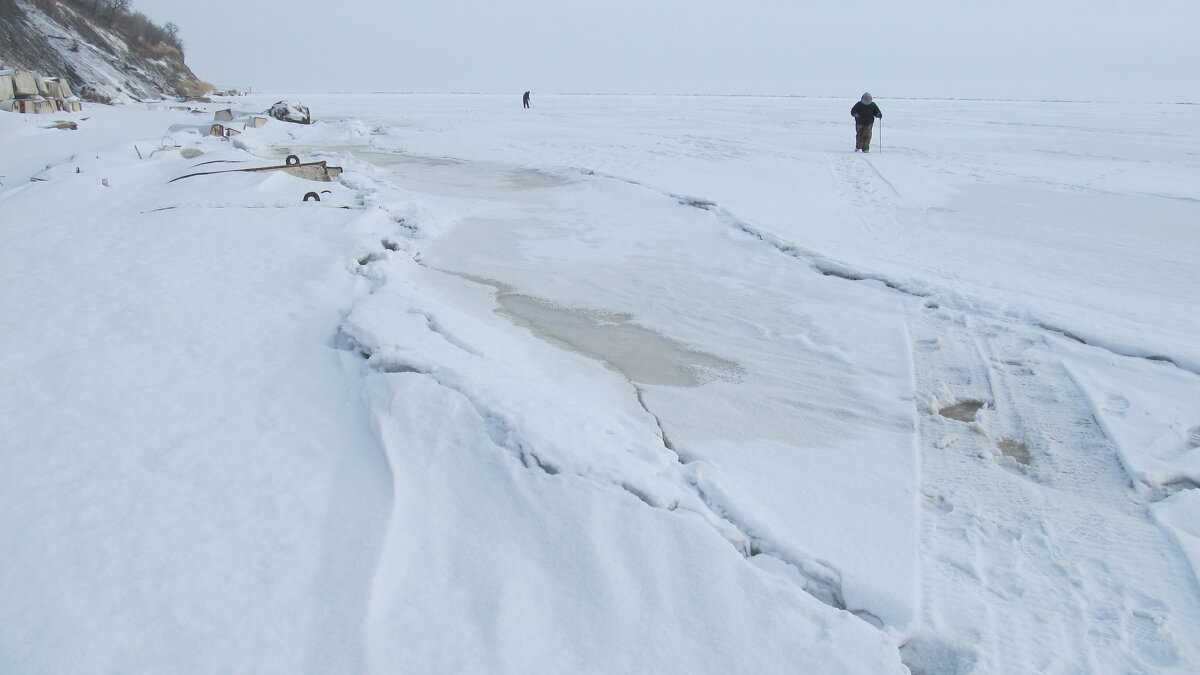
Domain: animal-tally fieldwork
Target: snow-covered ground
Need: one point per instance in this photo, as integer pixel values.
(616, 384)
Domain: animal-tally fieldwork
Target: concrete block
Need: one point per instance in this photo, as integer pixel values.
(217, 130)
(6, 87)
(24, 83)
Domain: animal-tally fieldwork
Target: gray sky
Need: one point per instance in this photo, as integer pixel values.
(1073, 49)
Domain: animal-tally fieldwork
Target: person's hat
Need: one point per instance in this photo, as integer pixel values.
(866, 96)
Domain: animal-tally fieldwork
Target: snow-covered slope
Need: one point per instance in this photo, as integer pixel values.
(618, 384)
(97, 61)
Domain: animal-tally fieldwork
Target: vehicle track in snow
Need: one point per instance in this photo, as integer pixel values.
(1036, 552)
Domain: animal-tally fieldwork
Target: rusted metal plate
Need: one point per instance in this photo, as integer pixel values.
(316, 171)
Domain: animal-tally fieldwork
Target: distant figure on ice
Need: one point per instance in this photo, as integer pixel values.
(864, 112)
(525, 99)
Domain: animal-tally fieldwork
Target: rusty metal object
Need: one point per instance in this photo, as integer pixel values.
(317, 171)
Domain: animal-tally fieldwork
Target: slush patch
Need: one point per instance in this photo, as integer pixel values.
(963, 411)
(642, 355)
(1016, 450)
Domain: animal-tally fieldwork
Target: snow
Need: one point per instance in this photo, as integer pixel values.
(619, 384)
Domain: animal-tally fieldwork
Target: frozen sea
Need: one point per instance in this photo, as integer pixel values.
(616, 384)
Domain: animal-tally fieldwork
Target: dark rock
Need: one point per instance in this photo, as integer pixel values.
(291, 111)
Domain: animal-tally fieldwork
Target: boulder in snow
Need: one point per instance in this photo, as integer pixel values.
(291, 111)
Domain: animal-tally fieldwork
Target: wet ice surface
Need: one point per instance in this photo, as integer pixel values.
(438, 175)
(641, 355)
(963, 411)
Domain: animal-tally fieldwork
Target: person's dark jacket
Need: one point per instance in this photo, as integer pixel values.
(865, 113)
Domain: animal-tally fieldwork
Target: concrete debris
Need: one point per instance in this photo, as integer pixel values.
(23, 91)
(24, 83)
(224, 115)
(222, 131)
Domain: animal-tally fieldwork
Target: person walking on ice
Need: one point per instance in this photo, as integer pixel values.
(525, 100)
(864, 112)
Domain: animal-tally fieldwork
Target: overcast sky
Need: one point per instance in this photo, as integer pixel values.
(1057, 49)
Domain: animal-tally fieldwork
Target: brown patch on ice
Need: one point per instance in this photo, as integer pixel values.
(642, 355)
(963, 411)
(1017, 450)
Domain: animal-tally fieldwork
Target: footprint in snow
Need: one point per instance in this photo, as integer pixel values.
(1193, 437)
(1116, 404)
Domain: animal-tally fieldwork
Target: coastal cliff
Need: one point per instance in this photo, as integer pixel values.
(106, 51)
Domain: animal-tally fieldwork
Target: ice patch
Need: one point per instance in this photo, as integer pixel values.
(642, 355)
